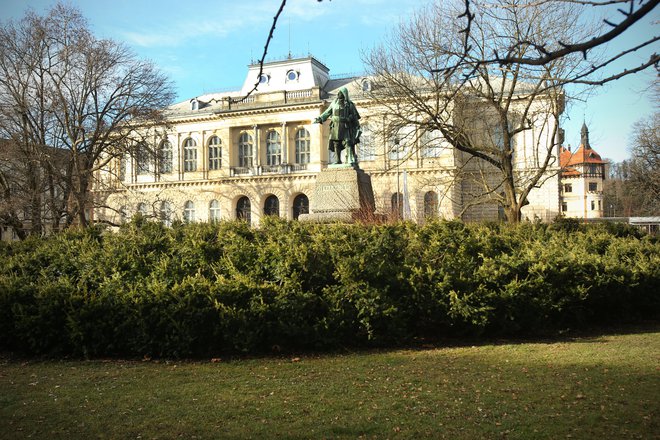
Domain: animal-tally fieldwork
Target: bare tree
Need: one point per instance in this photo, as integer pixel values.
(61, 88)
(644, 165)
(620, 15)
(502, 123)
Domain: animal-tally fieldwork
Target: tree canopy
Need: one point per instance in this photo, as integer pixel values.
(64, 90)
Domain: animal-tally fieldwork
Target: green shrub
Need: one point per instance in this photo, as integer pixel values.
(203, 289)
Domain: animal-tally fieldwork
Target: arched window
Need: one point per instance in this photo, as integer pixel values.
(165, 157)
(366, 85)
(214, 211)
(245, 155)
(215, 153)
(243, 209)
(189, 155)
(272, 206)
(430, 204)
(300, 206)
(142, 209)
(273, 148)
(189, 212)
(166, 213)
(397, 206)
(302, 146)
(144, 159)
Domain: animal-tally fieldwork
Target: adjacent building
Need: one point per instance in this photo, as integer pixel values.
(582, 177)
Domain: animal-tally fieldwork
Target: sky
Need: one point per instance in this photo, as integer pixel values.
(206, 45)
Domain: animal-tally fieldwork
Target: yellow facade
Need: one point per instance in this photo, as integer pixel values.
(211, 174)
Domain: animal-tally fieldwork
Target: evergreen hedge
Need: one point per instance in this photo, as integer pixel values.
(205, 289)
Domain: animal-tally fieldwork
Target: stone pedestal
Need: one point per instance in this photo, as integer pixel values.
(342, 193)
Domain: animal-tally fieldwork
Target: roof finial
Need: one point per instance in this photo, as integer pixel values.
(584, 140)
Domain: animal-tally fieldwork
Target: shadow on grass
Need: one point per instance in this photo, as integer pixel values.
(604, 388)
(590, 335)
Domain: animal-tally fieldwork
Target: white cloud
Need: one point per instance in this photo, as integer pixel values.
(223, 21)
(307, 10)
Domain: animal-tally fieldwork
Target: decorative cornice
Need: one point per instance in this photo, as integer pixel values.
(221, 181)
(245, 112)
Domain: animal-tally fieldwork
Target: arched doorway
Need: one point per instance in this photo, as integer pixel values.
(272, 206)
(300, 206)
(430, 205)
(397, 206)
(244, 209)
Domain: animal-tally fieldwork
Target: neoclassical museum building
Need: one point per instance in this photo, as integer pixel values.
(225, 157)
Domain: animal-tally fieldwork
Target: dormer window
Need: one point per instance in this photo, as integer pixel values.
(194, 104)
(264, 78)
(292, 75)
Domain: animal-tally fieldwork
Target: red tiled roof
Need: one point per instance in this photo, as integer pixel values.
(582, 155)
(570, 172)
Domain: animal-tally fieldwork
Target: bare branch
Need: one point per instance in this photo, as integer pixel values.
(631, 17)
(263, 57)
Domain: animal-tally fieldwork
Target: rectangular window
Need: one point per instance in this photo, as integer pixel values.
(564, 207)
(190, 159)
(189, 155)
(214, 158)
(593, 205)
(593, 186)
(398, 151)
(432, 151)
(245, 155)
(568, 187)
(302, 147)
(165, 158)
(215, 153)
(365, 149)
(144, 159)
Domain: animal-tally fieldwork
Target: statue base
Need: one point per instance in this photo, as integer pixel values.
(343, 193)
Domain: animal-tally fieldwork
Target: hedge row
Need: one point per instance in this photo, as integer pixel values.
(201, 289)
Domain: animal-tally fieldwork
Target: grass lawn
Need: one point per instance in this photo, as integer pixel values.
(603, 387)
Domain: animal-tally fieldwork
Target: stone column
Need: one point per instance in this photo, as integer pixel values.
(285, 144)
(205, 156)
(322, 147)
(179, 155)
(256, 161)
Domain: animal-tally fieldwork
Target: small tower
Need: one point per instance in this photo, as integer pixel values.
(582, 178)
(584, 137)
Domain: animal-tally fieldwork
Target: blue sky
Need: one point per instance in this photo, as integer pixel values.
(205, 46)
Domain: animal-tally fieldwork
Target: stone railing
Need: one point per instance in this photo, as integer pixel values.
(299, 167)
(269, 99)
(241, 171)
(274, 169)
(268, 169)
(298, 95)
